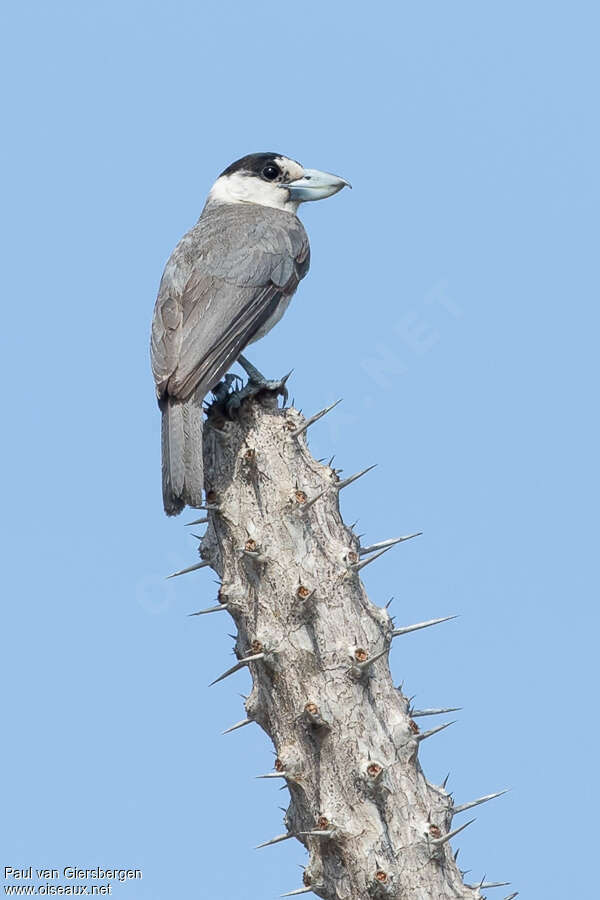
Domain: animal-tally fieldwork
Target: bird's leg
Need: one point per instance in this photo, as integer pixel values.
(256, 383)
(251, 371)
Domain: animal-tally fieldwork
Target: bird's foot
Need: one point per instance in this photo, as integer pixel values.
(254, 387)
(228, 400)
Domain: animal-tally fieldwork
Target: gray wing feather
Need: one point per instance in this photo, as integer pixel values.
(212, 340)
(221, 282)
(166, 338)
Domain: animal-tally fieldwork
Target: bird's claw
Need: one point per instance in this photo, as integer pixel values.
(275, 386)
(232, 404)
(228, 400)
(221, 391)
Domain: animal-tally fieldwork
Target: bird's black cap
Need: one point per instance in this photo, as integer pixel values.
(253, 163)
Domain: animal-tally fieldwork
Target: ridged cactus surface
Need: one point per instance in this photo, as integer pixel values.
(346, 740)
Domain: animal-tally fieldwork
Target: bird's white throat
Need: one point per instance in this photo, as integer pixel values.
(241, 188)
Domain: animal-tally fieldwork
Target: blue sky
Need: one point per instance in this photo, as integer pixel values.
(452, 303)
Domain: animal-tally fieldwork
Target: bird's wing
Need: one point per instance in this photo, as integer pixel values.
(165, 339)
(241, 261)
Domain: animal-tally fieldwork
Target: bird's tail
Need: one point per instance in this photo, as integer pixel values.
(182, 468)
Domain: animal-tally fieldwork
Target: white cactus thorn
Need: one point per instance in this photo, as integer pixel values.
(464, 806)
(239, 665)
(238, 725)
(438, 842)
(315, 418)
(281, 774)
(200, 565)
(417, 627)
(303, 890)
(210, 609)
(388, 543)
(342, 484)
(416, 713)
(364, 665)
(512, 896)
(484, 885)
(356, 567)
(197, 522)
(426, 734)
(276, 840)
(310, 503)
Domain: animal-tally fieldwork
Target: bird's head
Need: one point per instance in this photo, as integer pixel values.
(269, 179)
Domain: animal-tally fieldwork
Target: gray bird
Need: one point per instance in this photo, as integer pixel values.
(226, 284)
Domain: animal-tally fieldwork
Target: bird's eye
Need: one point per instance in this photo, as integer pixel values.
(271, 172)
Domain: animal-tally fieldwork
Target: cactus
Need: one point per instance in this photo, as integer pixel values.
(346, 739)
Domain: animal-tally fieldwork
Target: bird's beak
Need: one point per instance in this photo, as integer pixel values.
(315, 185)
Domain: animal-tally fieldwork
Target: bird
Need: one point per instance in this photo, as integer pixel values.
(228, 281)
